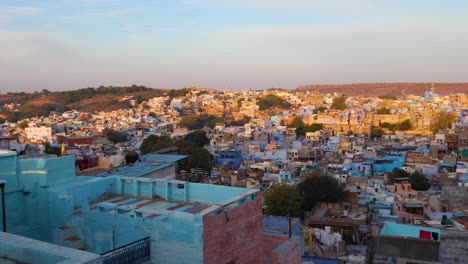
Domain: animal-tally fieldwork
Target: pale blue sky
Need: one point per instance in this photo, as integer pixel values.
(237, 44)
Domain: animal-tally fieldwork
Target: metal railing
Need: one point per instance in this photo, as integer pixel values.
(134, 253)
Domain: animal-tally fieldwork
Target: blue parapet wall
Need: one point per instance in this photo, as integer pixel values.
(53, 205)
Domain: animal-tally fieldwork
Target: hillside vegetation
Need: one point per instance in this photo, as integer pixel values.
(87, 99)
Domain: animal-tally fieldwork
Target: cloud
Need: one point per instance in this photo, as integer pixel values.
(115, 12)
(20, 10)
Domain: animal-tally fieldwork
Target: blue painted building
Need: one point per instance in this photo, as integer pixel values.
(230, 158)
(185, 222)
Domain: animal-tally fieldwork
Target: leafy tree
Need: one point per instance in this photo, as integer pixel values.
(319, 187)
(302, 128)
(117, 136)
(321, 109)
(52, 150)
(383, 111)
(23, 125)
(405, 125)
(339, 103)
(314, 127)
(241, 122)
(198, 156)
(198, 138)
(200, 122)
(272, 100)
(299, 125)
(283, 200)
(239, 102)
(377, 133)
(419, 182)
(442, 120)
(396, 173)
(154, 143)
(178, 92)
(131, 157)
(391, 127)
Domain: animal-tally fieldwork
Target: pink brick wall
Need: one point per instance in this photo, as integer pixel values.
(234, 235)
(270, 243)
(290, 252)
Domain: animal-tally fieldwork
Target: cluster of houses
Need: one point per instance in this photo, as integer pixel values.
(377, 220)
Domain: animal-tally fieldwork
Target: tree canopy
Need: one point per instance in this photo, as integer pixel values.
(339, 103)
(302, 128)
(418, 181)
(272, 100)
(442, 120)
(154, 143)
(283, 200)
(319, 187)
(117, 136)
(198, 138)
(383, 111)
(199, 122)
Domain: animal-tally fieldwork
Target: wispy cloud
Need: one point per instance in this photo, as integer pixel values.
(20, 10)
(115, 12)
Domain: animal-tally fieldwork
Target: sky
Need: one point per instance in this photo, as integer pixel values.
(230, 44)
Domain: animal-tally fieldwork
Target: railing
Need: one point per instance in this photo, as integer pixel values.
(133, 253)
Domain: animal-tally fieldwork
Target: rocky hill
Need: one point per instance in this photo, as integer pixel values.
(378, 89)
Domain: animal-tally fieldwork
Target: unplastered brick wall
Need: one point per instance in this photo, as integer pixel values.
(234, 234)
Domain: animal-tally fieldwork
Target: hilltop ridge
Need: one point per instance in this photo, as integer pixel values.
(378, 89)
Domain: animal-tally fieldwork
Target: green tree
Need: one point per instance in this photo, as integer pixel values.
(319, 187)
(117, 136)
(131, 157)
(396, 173)
(198, 156)
(51, 150)
(272, 100)
(442, 120)
(321, 109)
(314, 127)
(241, 122)
(377, 133)
(23, 125)
(391, 127)
(383, 111)
(199, 122)
(283, 200)
(239, 102)
(299, 125)
(198, 138)
(154, 143)
(419, 182)
(339, 103)
(405, 125)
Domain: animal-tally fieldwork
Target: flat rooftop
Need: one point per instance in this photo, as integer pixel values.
(146, 208)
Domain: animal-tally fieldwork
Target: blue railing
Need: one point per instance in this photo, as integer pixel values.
(133, 253)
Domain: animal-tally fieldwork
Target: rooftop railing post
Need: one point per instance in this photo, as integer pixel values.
(2, 186)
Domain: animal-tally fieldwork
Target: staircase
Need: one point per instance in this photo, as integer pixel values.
(67, 236)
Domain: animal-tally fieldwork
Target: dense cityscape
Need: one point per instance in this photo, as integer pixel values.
(249, 176)
(233, 132)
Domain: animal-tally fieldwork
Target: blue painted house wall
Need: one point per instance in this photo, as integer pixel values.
(232, 159)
